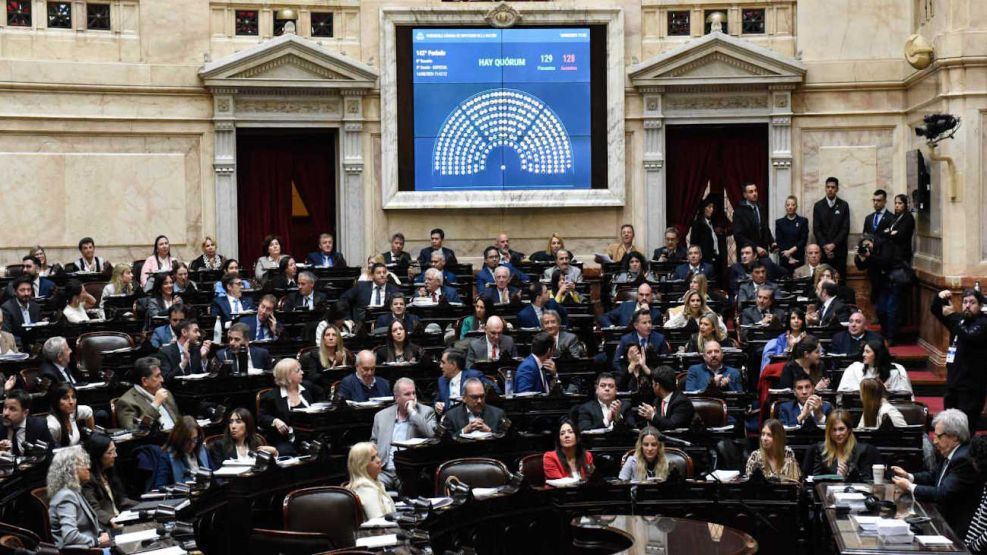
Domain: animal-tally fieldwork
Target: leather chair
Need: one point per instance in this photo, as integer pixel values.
(315, 519)
(532, 467)
(305, 350)
(625, 293)
(39, 505)
(95, 288)
(14, 270)
(915, 413)
(677, 459)
(257, 399)
(91, 346)
(712, 411)
(476, 472)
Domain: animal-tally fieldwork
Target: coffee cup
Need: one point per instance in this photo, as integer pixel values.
(878, 474)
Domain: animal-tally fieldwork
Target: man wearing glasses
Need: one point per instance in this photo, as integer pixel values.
(474, 414)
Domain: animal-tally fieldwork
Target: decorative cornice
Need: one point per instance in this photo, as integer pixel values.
(353, 168)
(653, 165)
(718, 57)
(292, 60)
(781, 163)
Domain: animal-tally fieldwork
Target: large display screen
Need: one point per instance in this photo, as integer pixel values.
(501, 109)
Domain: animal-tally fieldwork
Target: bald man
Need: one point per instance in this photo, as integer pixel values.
(363, 384)
(494, 345)
(622, 315)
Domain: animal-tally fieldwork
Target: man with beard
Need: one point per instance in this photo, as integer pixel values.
(965, 379)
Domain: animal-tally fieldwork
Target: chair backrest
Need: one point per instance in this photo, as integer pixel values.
(305, 350)
(258, 396)
(39, 502)
(476, 472)
(914, 412)
(14, 270)
(532, 467)
(774, 407)
(95, 288)
(14, 537)
(712, 411)
(625, 294)
(330, 510)
(676, 458)
(91, 346)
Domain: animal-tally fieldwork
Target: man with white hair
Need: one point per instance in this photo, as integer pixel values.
(363, 384)
(438, 261)
(494, 345)
(954, 486)
(405, 419)
(57, 364)
(434, 291)
(502, 292)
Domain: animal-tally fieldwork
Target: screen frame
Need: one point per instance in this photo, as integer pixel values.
(609, 191)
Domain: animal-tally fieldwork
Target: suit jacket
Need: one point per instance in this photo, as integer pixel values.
(403, 260)
(589, 415)
(789, 411)
(13, 320)
(449, 294)
(678, 414)
(336, 260)
(699, 377)
(411, 321)
(442, 390)
(862, 459)
(360, 296)
(700, 234)
(485, 276)
(837, 312)
(46, 288)
(478, 350)
(568, 346)
(748, 229)
(678, 255)
(425, 256)
(792, 233)
(555, 468)
(422, 423)
(957, 494)
(530, 377)
(748, 291)
(684, 271)
(887, 216)
(259, 356)
(352, 389)
(273, 405)
(492, 295)
(171, 361)
(250, 321)
(106, 503)
(656, 342)
(752, 315)
(221, 307)
(527, 318)
(51, 372)
(132, 407)
(35, 429)
(297, 302)
(624, 313)
(831, 225)
(843, 343)
(448, 278)
(738, 274)
(73, 521)
(457, 417)
(901, 242)
(970, 338)
(173, 469)
(162, 336)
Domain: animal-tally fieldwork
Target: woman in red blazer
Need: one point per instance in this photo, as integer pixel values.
(569, 459)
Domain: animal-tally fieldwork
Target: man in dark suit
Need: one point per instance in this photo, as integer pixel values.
(833, 311)
(881, 218)
(966, 381)
(474, 414)
(740, 271)
(671, 409)
(326, 256)
(238, 340)
(750, 224)
(643, 336)
(21, 308)
(712, 374)
(225, 307)
(397, 257)
(437, 236)
(502, 292)
(748, 290)
(435, 291)
(263, 326)
(18, 426)
(672, 251)
(955, 485)
(807, 408)
(851, 342)
(399, 311)
(537, 373)
(763, 313)
(168, 333)
(41, 287)
(363, 383)
(694, 266)
(508, 255)
(367, 294)
(831, 226)
(185, 356)
(439, 263)
(492, 260)
(605, 411)
(567, 345)
(147, 399)
(494, 345)
(792, 236)
(306, 298)
(622, 315)
(541, 300)
(453, 379)
(57, 366)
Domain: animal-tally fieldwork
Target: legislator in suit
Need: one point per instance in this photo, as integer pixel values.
(686, 271)
(954, 486)
(792, 232)
(73, 522)
(655, 342)
(421, 423)
(530, 315)
(136, 403)
(672, 412)
(750, 226)
(478, 350)
(589, 416)
(17, 313)
(258, 357)
(458, 417)
(224, 307)
(274, 405)
(622, 315)
(30, 430)
(171, 361)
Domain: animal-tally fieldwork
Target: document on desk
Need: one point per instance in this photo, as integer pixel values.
(934, 541)
(373, 542)
(126, 516)
(91, 385)
(6, 357)
(379, 522)
(190, 377)
(140, 536)
(173, 550)
(363, 404)
(723, 475)
(411, 442)
(477, 434)
(314, 408)
(231, 471)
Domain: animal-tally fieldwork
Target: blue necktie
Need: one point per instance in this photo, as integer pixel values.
(260, 330)
(325, 260)
(877, 219)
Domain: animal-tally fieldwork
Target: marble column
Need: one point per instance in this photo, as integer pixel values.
(780, 141)
(654, 174)
(350, 227)
(224, 168)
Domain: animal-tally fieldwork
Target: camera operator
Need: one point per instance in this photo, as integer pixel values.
(889, 276)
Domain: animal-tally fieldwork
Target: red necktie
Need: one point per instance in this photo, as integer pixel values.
(435, 298)
(493, 352)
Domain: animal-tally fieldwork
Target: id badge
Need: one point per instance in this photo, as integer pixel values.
(951, 354)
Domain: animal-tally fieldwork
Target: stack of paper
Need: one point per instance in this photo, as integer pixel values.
(934, 541)
(892, 530)
(867, 524)
(853, 500)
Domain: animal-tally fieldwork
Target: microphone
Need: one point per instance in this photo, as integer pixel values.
(674, 440)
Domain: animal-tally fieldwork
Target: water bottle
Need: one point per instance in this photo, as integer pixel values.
(509, 384)
(217, 332)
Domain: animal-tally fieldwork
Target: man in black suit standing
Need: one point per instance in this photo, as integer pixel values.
(750, 224)
(474, 414)
(831, 226)
(605, 411)
(20, 309)
(671, 409)
(18, 427)
(966, 382)
(185, 356)
(880, 219)
(955, 485)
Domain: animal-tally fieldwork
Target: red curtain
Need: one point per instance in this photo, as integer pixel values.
(267, 165)
(721, 157)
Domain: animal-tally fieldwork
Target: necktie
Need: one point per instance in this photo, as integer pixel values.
(36, 293)
(945, 464)
(503, 296)
(260, 330)
(26, 314)
(325, 260)
(493, 351)
(452, 391)
(377, 300)
(544, 380)
(236, 306)
(757, 217)
(435, 297)
(664, 406)
(877, 219)
(68, 376)
(644, 344)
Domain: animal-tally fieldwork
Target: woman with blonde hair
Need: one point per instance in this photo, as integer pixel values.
(331, 353)
(773, 457)
(73, 521)
(364, 466)
(693, 309)
(840, 453)
(210, 259)
(648, 461)
(874, 398)
(277, 404)
(709, 330)
(555, 242)
(121, 283)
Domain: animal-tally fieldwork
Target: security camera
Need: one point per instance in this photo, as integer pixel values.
(938, 127)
